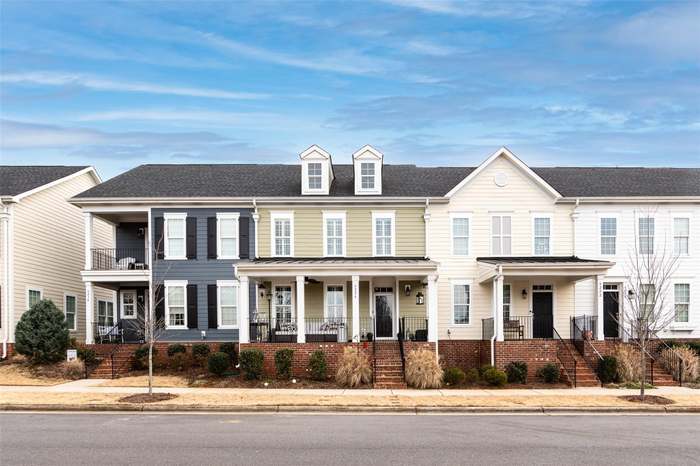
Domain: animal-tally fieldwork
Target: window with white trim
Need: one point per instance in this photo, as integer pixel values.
(175, 236)
(227, 304)
(681, 302)
(176, 305)
(681, 235)
(647, 299)
(128, 304)
(608, 236)
(541, 235)
(646, 235)
(334, 233)
(461, 301)
(335, 302)
(501, 235)
(315, 175)
(33, 297)
(460, 235)
(282, 231)
(383, 234)
(506, 302)
(227, 235)
(70, 309)
(283, 304)
(105, 313)
(367, 174)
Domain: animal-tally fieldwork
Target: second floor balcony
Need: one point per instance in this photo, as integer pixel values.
(119, 259)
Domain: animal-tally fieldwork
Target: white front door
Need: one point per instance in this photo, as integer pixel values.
(384, 315)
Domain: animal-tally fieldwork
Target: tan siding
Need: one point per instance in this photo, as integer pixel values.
(407, 304)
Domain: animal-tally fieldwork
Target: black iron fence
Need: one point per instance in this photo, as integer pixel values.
(322, 329)
(123, 331)
(273, 330)
(520, 327)
(583, 329)
(413, 328)
(119, 259)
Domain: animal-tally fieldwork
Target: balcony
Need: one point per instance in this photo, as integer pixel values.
(119, 259)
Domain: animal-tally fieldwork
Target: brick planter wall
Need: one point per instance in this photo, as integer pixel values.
(465, 354)
(536, 353)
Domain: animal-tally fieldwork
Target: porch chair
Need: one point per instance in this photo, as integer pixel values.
(110, 333)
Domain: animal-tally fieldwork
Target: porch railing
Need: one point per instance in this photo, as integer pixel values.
(566, 357)
(273, 330)
(520, 327)
(322, 329)
(413, 328)
(119, 259)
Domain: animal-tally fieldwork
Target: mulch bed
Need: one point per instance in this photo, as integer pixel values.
(241, 382)
(648, 399)
(486, 386)
(146, 398)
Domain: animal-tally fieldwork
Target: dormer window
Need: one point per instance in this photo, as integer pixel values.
(367, 173)
(316, 171)
(367, 164)
(315, 176)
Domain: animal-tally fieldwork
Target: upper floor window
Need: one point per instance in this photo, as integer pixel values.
(176, 304)
(227, 235)
(500, 235)
(541, 235)
(383, 233)
(334, 233)
(608, 236)
(647, 299)
(461, 301)
(460, 235)
(681, 235)
(282, 234)
(175, 236)
(646, 235)
(70, 307)
(681, 301)
(33, 297)
(367, 173)
(227, 301)
(315, 175)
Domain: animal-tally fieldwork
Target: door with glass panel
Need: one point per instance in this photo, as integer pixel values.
(284, 327)
(384, 314)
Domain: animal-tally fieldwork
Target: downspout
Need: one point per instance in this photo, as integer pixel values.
(426, 221)
(499, 274)
(5, 223)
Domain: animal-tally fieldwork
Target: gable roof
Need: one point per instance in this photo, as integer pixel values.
(20, 179)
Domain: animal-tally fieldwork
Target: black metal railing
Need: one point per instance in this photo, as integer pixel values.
(649, 357)
(366, 329)
(413, 328)
(520, 327)
(273, 330)
(322, 329)
(108, 333)
(671, 361)
(487, 329)
(119, 259)
(583, 332)
(566, 357)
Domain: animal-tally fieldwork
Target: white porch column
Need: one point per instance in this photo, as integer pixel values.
(88, 240)
(244, 313)
(426, 220)
(498, 296)
(600, 329)
(356, 308)
(432, 309)
(256, 217)
(301, 324)
(89, 311)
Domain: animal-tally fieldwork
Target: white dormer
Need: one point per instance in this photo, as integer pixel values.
(367, 163)
(316, 171)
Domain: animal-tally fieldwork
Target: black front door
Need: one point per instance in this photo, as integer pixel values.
(383, 315)
(542, 322)
(611, 309)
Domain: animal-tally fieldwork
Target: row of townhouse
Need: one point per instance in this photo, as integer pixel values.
(325, 252)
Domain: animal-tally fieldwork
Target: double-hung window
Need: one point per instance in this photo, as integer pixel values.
(647, 300)
(283, 304)
(227, 235)
(367, 174)
(506, 302)
(33, 297)
(646, 235)
(227, 304)
(681, 302)
(128, 304)
(608, 236)
(500, 235)
(334, 233)
(70, 308)
(461, 300)
(175, 236)
(383, 233)
(460, 235)
(681, 235)
(314, 175)
(176, 304)
(335, 302)
(105, 313)
(542, 230)
(282, 234)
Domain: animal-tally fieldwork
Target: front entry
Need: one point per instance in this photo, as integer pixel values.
(611, 311)
(542, 312)
(384, 314)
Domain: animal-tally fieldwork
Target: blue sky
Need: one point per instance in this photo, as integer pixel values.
(118, 84)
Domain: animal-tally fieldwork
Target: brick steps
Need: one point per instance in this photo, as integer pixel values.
(122, 361)
(388, 366)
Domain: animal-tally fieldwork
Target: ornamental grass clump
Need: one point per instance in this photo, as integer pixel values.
(691, 362)
(423, 369)
(629, 367)
(353, 369)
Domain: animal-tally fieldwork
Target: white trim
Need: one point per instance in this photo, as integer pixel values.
(377, 189)
(75, 313)
(334, 215)
(460, 282)
(689, 217)
(510, 299)
(292, 286)
(121, 304)
(91, 170)
(114, 311)
(288, 215)
(679, 325)
(461, 215)
(167, 216)
(533, 217)
(343, 293)
(175, 283)
(599, 236)
(637, 219)
(519, 163)
(377, 214)
(228, 284)
(501, 235)
(226, 216)
(29, 288)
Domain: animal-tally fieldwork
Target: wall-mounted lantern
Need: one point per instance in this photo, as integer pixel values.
(420, 299)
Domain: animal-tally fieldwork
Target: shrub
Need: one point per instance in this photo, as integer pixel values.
(175, 349)
(471, 376)
(629, 368)
(283, 362)
(200, 353)
(87, 355)
(218, 363)
(73, 343)
(495, 377)
(549, 373)
(230, 349)
(453, 376)
(251, 361)
(42, 334)
(72, 370)
(180, 361)
(317, 365)
(607, 369)
(423, 369)
(353, 369)
(483, 369)
(139, 360)
(517, 372)
(691, 363)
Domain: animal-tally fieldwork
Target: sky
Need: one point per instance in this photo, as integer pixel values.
(119, 84)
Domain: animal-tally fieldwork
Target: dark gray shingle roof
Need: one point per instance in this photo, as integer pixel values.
(537, 260)
(18, 179)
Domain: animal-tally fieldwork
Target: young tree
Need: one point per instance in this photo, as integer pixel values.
(153, 329)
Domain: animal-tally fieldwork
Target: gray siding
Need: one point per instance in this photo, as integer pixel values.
(127, 236)
(201, 272)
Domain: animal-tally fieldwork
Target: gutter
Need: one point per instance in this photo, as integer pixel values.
(499, 274)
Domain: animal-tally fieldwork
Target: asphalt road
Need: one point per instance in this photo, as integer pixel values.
(116, 438)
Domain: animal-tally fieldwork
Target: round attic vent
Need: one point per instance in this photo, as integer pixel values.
(501, 179)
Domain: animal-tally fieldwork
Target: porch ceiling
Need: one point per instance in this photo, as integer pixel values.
(338, 266)
(572, 267)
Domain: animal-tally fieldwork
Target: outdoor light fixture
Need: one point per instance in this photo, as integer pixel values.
(630, 293)
(524, 293)
(407, 290)
(420, 299)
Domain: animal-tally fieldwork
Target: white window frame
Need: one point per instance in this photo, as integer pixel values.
(281, 216)
(600, 235)
(106, 301)
(679, 324)
(461, 282)
(174, 284)
(293, 310)
(227, 216)
(65, 310)
(326, 314)
(122, 293)
(33, 288)
(639, 236)
(308, 176)
(537, 216)
(510, 301)
(168, 216)
(377, 214)
(375, 165)
(501, 236)
(335, 215)
(219, 315)
(468, 217)
(673, 232)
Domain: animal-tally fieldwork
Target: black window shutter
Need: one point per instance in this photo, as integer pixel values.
(211, 237)
(158, 238)
(243, 237)
(191, 237)
(211, 305)
(159, 298)
(192, 306)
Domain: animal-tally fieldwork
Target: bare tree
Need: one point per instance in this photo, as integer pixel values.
(153, 329)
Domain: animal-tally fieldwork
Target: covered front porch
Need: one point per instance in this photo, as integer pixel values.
(341, 300)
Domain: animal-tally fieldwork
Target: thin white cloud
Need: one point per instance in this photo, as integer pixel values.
(490, 8)
(106, 84)
(424, 47)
